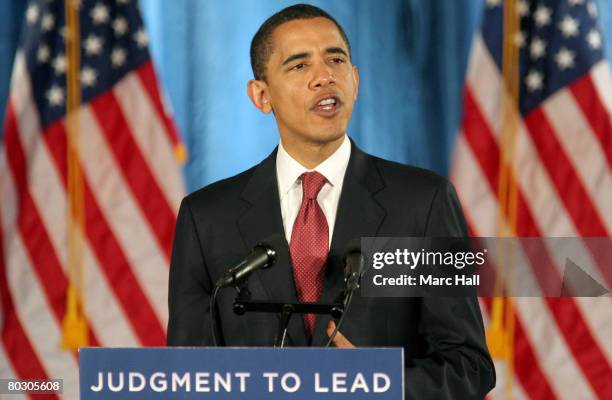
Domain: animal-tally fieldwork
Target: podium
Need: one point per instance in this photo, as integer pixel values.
(241, 373)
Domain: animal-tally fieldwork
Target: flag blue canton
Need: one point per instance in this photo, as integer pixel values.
(559, 41)
(113, 43)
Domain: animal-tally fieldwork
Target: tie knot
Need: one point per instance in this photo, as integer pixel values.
(312, 182)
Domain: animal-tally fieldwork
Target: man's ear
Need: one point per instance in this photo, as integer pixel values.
(258, 93)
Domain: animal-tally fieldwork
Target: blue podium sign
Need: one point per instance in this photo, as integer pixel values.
(241, 373)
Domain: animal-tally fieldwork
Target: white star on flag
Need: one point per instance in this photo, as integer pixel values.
(594, 39)
(542, 16)
(88, 76)
(48, 22)
(118, 57)
(533, 81)
(569, 26)
(565, 58)
(59, 64)
(55, 95)
(537, 49)
(93, 45)
(575, 2)
(32, 13)
(523, 8)
(43, 53)
(141, 38)
(99, 14)
(120, 26)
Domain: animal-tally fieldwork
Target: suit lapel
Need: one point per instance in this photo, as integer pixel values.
(262, 219)
(358, 215)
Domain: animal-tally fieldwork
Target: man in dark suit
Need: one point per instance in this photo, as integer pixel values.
(321, 191)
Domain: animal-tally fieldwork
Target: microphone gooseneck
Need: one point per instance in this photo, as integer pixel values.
(353, 269)
(263, 256)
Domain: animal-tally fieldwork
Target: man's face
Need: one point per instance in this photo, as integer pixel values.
(311, 83)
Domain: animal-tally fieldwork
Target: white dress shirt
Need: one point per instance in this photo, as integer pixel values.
(288, 171)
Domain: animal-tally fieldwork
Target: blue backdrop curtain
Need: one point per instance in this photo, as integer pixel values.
(411, 54)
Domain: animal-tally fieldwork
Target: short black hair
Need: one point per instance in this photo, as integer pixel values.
(261, 45)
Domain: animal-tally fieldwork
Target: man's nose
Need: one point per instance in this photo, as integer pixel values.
(322, 76)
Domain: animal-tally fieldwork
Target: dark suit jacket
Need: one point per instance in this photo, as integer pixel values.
(443, 338)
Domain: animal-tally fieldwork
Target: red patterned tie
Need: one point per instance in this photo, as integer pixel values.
(309, 244)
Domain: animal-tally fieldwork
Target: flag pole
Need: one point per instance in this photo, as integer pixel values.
(74, 325)
(500, 333)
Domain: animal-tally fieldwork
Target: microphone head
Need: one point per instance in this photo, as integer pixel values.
(353, 265)
(352, 247)
(275, 245)
(353, 259)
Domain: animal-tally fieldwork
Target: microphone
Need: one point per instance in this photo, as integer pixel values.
(353, 264)
(264, 254)
(353, 269)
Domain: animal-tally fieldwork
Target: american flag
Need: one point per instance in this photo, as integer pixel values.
(562, 168)
(132, 188)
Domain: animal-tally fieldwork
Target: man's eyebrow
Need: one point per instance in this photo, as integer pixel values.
(329, 50)
(336, 50)
(294, 57)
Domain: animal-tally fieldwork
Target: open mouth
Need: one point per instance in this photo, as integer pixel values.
(327, 106)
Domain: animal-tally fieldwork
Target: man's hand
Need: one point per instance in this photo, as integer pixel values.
(339, 340)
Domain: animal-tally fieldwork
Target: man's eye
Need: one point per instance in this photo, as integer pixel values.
(299, 66)
(337, 60)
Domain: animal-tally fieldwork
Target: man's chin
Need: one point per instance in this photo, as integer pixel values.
(328, 133)
(315, 134)
(328, 137)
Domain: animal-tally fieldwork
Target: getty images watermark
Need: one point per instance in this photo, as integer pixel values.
(519, 266)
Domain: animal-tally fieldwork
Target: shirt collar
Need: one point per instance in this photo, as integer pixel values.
(288, 170)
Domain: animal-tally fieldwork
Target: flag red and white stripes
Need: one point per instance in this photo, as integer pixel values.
(132, 189)
(563, 170)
